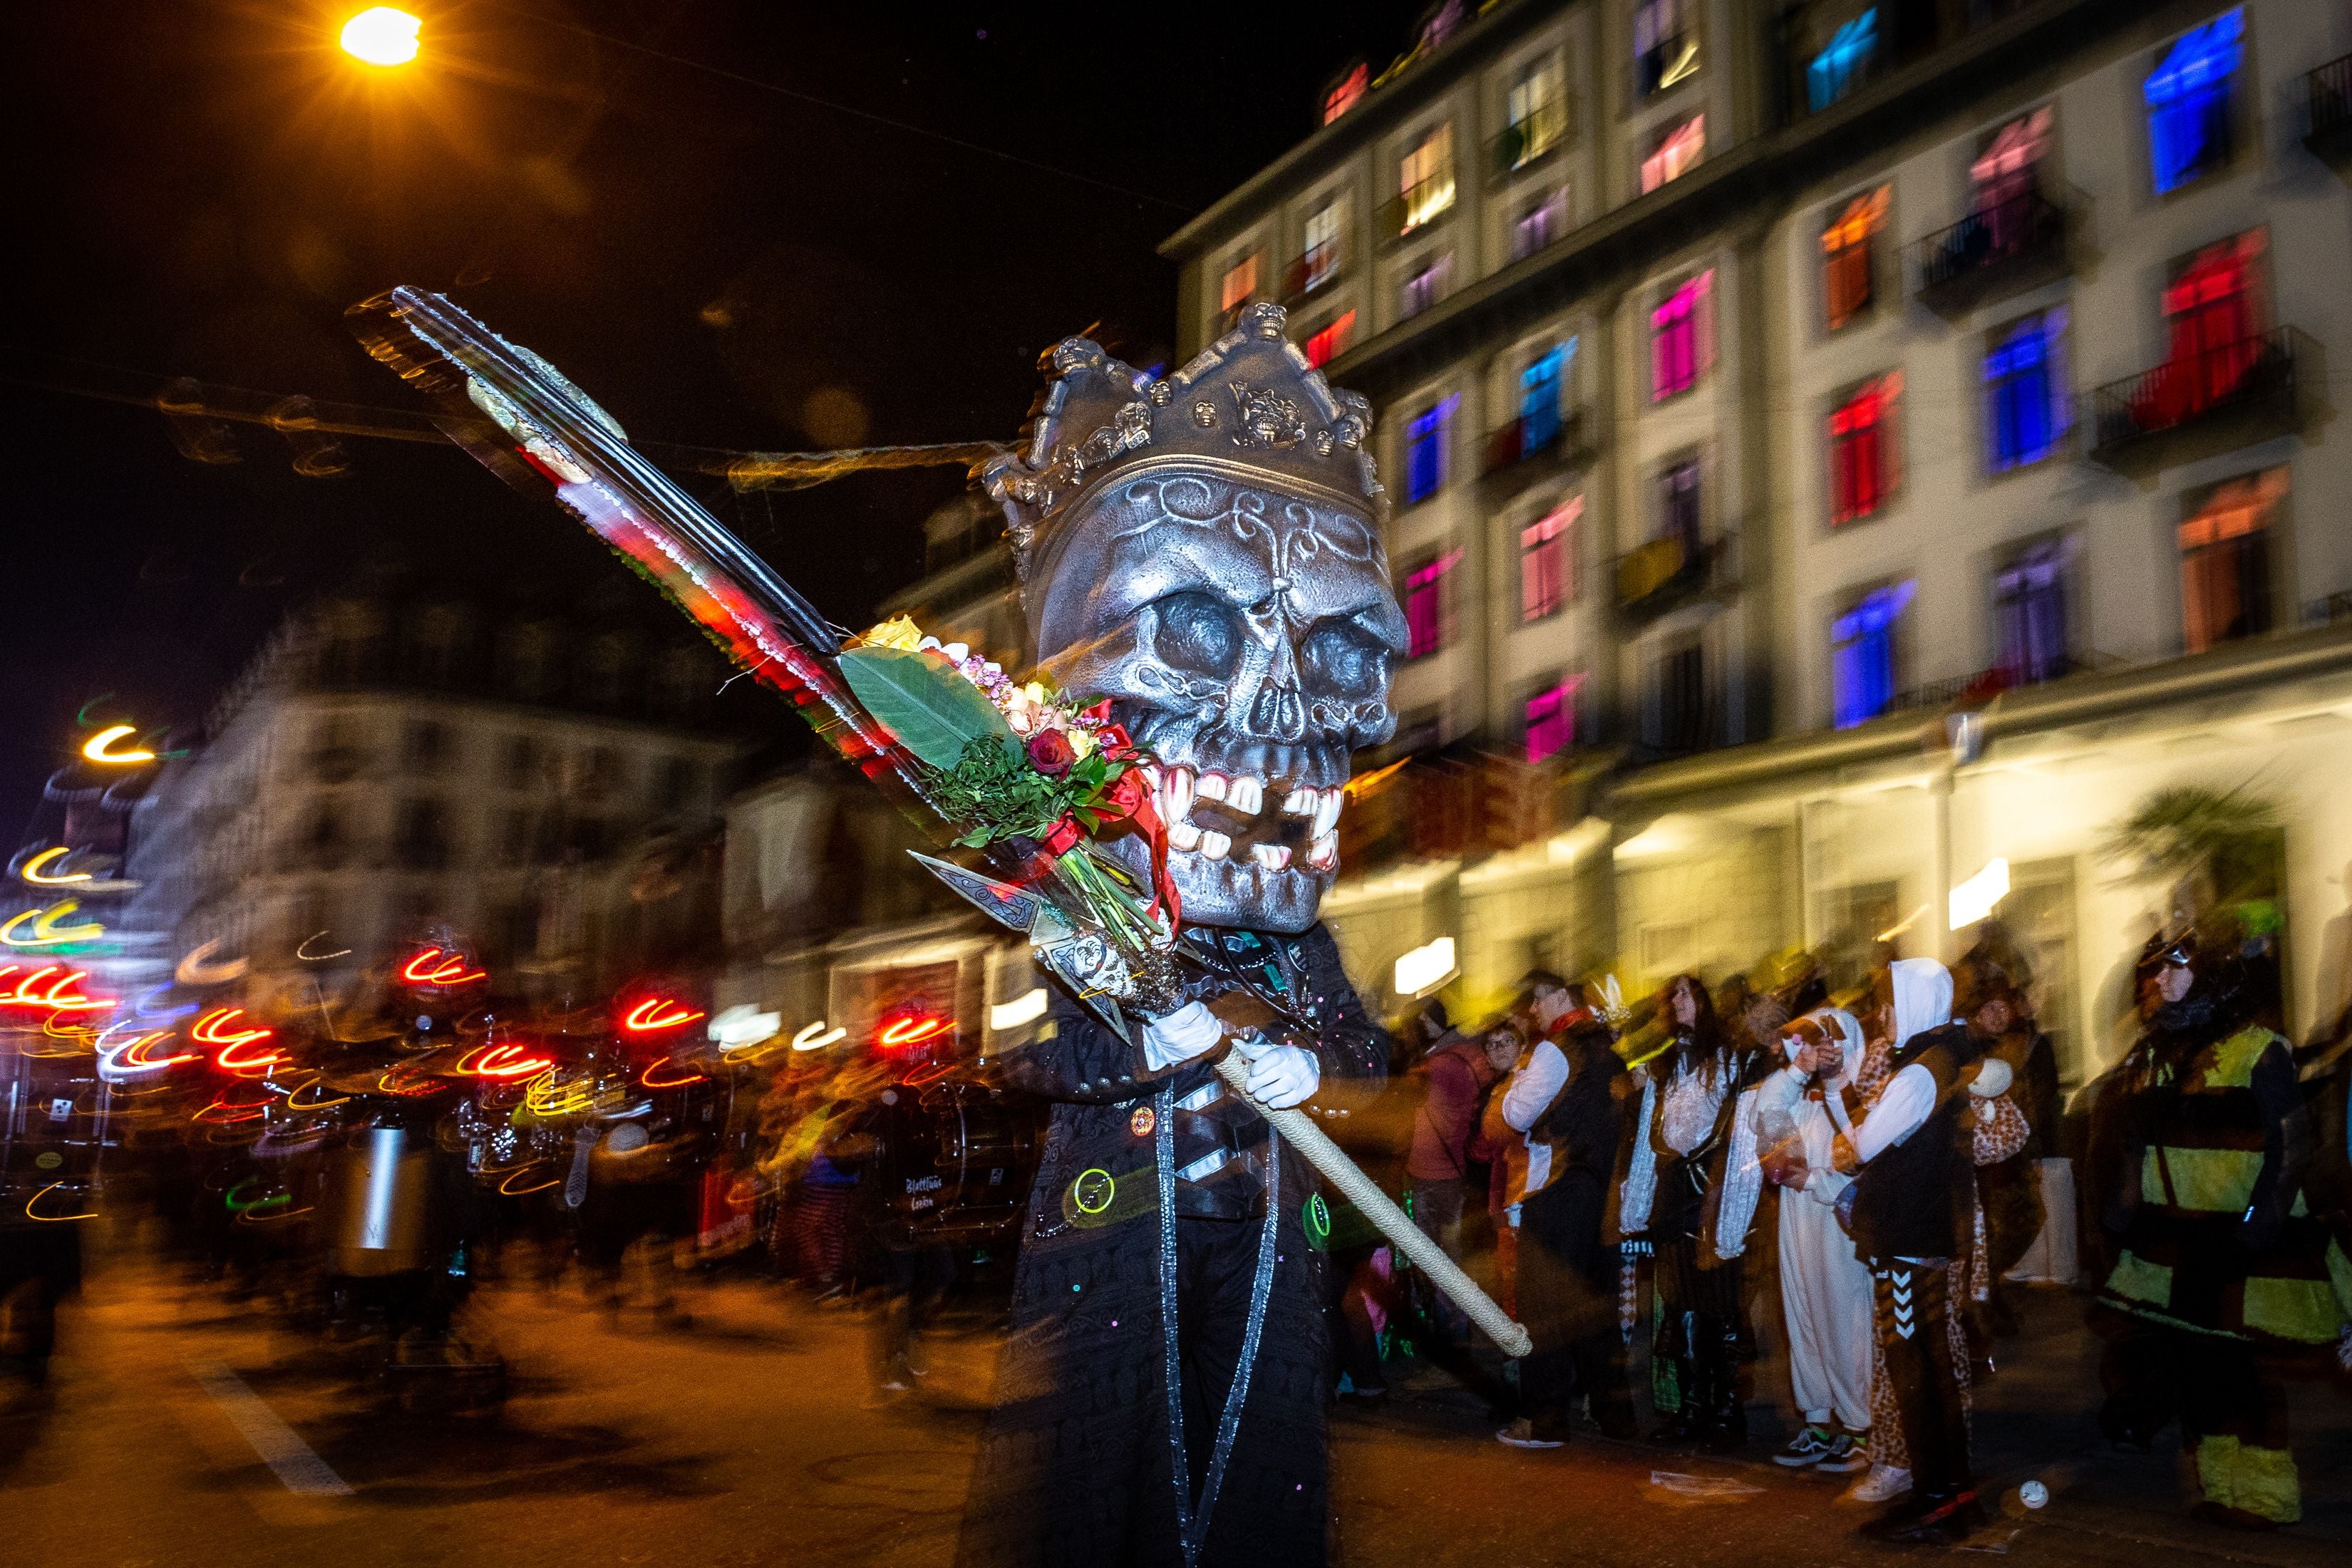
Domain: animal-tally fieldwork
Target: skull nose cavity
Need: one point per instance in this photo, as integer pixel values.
(1278, 713)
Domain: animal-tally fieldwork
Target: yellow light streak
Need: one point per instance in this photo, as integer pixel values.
(100, 748)
(31, 870)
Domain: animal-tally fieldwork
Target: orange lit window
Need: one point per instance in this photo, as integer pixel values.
(1847, 254)
(1329, 342)
(1240, 286)
(2225, 579)
(1678, 150)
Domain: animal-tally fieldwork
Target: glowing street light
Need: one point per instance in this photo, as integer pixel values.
(380, 36)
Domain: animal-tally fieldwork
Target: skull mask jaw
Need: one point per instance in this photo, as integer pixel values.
(1246, 636)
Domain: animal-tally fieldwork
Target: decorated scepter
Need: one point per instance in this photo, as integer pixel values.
(1016, 771)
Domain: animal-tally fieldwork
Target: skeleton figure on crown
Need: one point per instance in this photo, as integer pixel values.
(1204, 551)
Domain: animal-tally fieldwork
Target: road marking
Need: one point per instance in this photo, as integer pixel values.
(280, 1448)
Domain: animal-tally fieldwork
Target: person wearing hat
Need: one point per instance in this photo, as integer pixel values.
(2223, 1279)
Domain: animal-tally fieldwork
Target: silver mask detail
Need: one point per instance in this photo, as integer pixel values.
(1204, 551)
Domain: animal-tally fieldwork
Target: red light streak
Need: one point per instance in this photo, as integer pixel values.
(406, 1082)
(136, 1054)
(687, 1077)
(233, 1112)
(434, 967)
(242, 1051)
(911, 1030)
(48, 987)
(648, 1018)
(501, 1062)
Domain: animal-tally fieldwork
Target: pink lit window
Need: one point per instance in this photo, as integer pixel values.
(1551, 720)
(1678, 150)
(1682, 338)
(1329, 343)
(1548, 561)
(1424, 605)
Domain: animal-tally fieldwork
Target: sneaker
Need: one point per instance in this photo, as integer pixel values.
(1521, 1434)
(1807, 1449)
(1884, 1483)
(1844, 1457)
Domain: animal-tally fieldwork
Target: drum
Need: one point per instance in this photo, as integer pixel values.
(381, 1204)
(956, 1158)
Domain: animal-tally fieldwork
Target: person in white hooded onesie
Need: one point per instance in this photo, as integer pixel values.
(1800, 1111)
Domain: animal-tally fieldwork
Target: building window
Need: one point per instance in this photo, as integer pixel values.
(1320, 261)
(1842, 63)
(1864, 466)
(424, 746)
(1679, 147)
(2225, 566)
(1682, 338)
(1550, 719)
(1239, 288)
(2026, 407)
(2011, 166)
(1849, 269)
(1425, 178)
(2187, 96)
(1548, 561)
(1540, 389)
(1536, 114)
(1424, 452)
(1542, 220)
(2214, 312)
(1347, 92)
(1863, 665)
(1678, 716)
(1424, 605)
(1680, 509)
(420, 839)
(1425, 286)
(2028, 599)
(1665, 44)
(525, 765)
(1329, 341)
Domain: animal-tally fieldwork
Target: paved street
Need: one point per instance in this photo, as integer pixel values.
(750, 1436)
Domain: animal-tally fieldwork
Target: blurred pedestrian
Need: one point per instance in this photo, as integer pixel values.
(1455, 1076)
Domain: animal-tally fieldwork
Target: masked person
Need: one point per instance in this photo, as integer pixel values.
(1801, 1110)
(2223, 1280)
(1201, 550)
(1561, 1103)
(1685, 1188)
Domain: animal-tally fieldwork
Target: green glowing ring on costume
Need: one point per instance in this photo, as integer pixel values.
(1093, 1191)
(230, 1201)
(1316, 1217)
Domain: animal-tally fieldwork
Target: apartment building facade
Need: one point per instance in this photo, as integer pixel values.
(1873, 447)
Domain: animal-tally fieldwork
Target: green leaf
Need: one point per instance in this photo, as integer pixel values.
(920, 698)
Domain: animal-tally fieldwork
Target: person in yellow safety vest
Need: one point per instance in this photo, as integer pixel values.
(2224, 1277)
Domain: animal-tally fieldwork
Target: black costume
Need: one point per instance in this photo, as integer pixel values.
(1568, 1277)
(1076, 1464)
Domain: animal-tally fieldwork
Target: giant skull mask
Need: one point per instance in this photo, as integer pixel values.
(1203, 550)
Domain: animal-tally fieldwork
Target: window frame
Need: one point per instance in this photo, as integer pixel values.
(1866, 213)
(1565, 689)
(1896, 633)
(1442, 173)
(2196, 503)
(2058, 398)
(1428, 574)
(1696, 323)
(1667, 134)
(2225, 131)
(1339, 329)
(1884, 433)
(1441, 409)
(1549, 540)
(1689, 16)
(2065, 574)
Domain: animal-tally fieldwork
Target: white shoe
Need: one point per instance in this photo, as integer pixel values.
(1884, 1483)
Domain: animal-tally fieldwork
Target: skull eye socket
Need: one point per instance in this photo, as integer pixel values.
(1341, 657)
(1198, 632)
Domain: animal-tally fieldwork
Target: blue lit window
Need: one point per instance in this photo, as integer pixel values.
(1424, 451)
(1862, 654)
(2189, 100)
(2025, 392)
(1539, 389)
(1838, 69)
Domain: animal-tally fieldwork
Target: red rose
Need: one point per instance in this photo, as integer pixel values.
(1050, 752)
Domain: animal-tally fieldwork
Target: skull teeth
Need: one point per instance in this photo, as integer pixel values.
(1327, 811)
(1323, 852)
(1272, 857)
(1183, 835)
(1300, 801)
(1176, 790)
(1215, 846)
(1246, 796)
(1213, 786)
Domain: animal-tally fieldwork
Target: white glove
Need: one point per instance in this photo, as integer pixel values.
(1280, 1076)
(1181, 1036)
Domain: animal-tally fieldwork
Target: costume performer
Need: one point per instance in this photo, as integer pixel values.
(1693, 1185)
(2225, 1278)
(1203, 550)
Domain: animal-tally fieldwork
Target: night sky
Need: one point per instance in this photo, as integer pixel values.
(202, 185)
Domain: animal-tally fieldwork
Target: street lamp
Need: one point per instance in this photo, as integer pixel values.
(380, 36)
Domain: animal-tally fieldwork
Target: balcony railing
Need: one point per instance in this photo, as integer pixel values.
(1974, 690)
(1509, 448)
(1310, 275)
(2248, 388)
(2330, 91)
(1527, 142)
(2009, 244)
(1421, 205)
(1660, 575)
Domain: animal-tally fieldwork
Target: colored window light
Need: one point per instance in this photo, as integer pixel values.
(1551, 720)
(1863, 467)
(1678, 150)
(1240, 286)
(1681, 507)
(1330, 341)
(2011, 164)
(2225, 591)
(1848, 277)
(1862, 654)
(1536, 114)
(1425, 176)
(2188, 99)
(2025, 398)
(1682, 338)
(1424, 605)
(1320, 260)
(1546, 561)
(1425, 455)
(1542, 222)
(1425, 287)
(1838, 69)
(1347, 92)
(1665, 44)
(2030, 610)
(1540, 398)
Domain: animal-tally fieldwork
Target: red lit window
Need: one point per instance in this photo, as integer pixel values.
(1347, 92)
(1682, 338)
(1548, 561)
(1424, 605)
(1551, 720)
(1327, 343)
(1863, 466)
(2225, 561)
(1847, 274)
